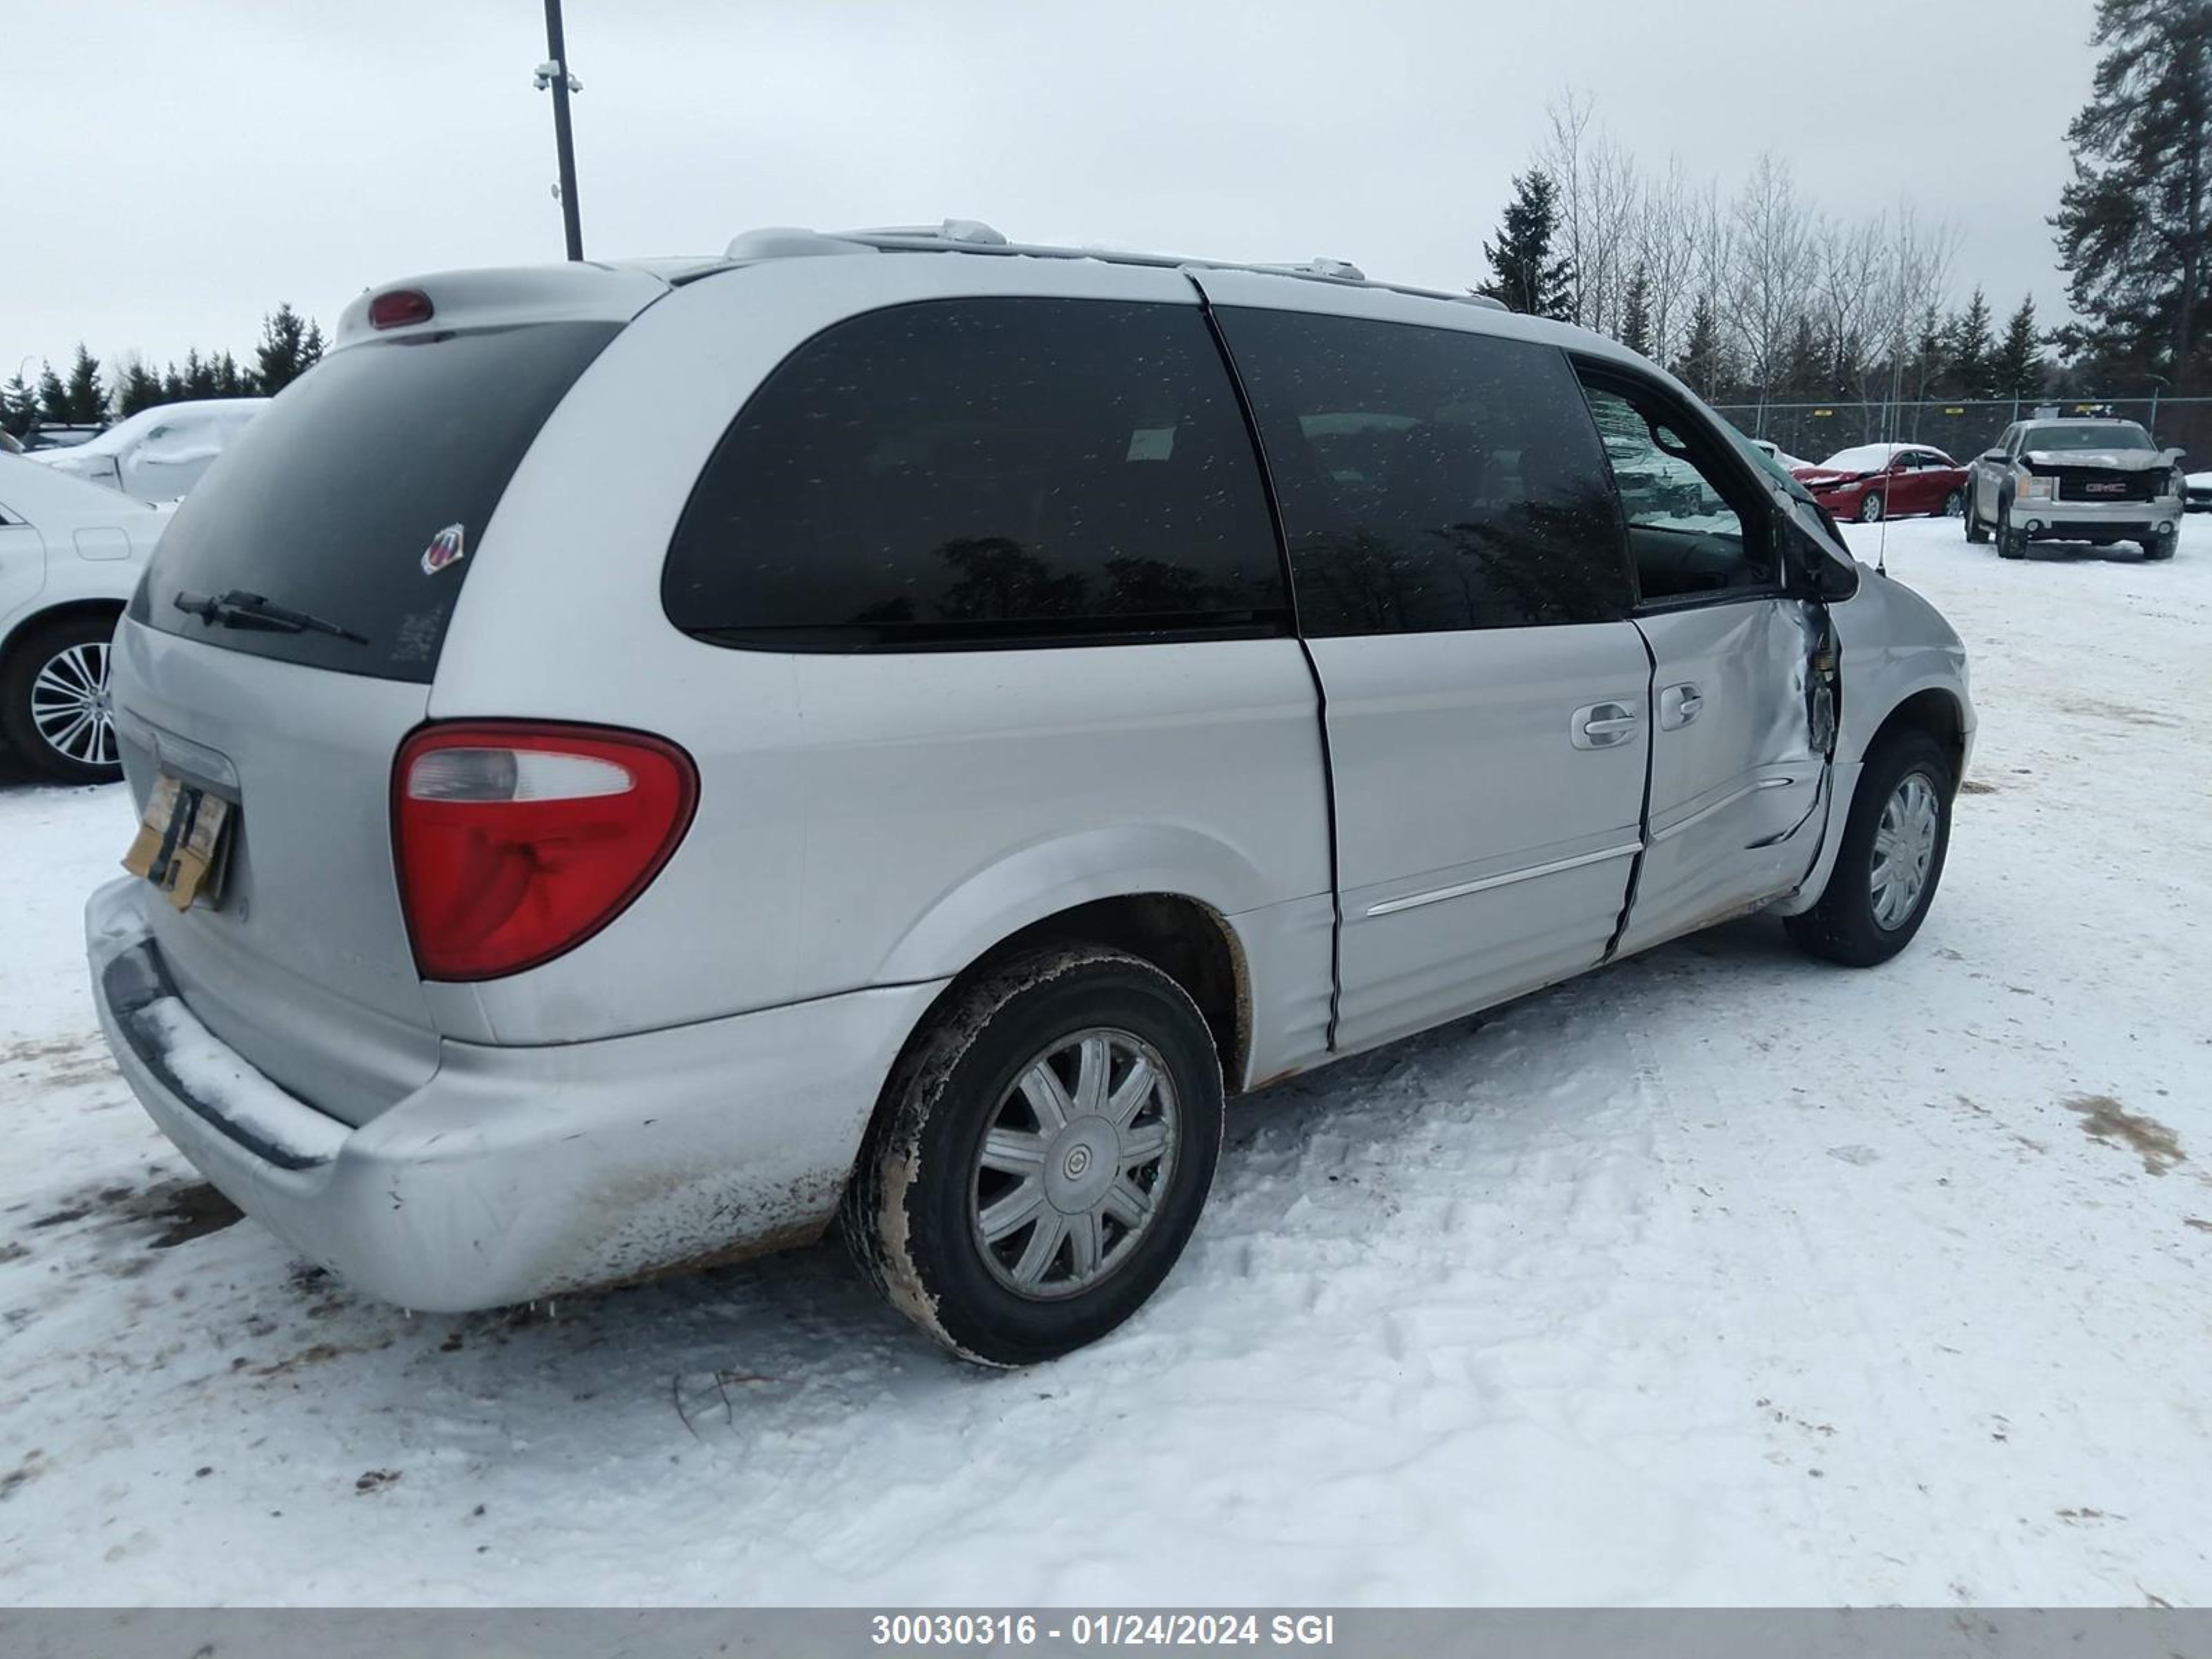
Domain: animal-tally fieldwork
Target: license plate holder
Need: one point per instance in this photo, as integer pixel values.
(183, 844)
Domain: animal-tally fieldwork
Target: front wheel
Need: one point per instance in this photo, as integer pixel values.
(1954, 503)
(54, 709)
(1977, 531)
(1041, 1155)
(1891, 860)
(2011, 544)
(1870, 507)
(2161, 547)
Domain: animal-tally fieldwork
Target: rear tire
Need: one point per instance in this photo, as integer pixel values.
(1857, 921)
(53, 700)
(1011, 1239)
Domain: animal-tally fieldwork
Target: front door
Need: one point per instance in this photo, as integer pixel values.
(1457, 562)
(1737, 776)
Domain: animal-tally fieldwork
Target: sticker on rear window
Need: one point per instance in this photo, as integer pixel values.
(446, 548)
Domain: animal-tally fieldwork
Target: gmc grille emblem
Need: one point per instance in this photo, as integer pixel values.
(2106, 487)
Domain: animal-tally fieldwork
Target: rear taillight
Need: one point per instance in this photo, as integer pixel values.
(516, 842)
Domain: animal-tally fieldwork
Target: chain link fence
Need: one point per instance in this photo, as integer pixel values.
(1960, 427)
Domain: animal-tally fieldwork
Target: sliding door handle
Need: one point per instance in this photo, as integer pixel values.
(1602, 724)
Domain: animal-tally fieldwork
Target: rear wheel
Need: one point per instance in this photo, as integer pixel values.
(1040, 1155)
(1870, 507)
(54, 710)
(1891, 860)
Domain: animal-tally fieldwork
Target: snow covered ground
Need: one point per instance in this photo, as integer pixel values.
(1720, 1277)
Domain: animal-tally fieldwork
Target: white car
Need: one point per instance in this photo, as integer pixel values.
(1774, 453)
(70, 552)
(158, 453)
(1009, 698)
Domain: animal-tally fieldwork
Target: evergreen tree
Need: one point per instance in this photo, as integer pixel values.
(1804, 368)
(1523, 273)
(173, 384)
(199, 377)
(87, 397)
(2135, 222)
(2016, 370)
(141, 389)
(1703, 363)
(289, 347)
(1973, 352)
(19, 406)
(230, 381)
(1636, 318)
(53, 396)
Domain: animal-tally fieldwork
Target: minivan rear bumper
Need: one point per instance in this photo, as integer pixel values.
(517, 1172)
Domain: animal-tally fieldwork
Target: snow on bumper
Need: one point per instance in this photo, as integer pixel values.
(515, 1173)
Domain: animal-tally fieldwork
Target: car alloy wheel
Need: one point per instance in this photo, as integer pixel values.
(70, 708)
(1870, 507)
(1955, 504)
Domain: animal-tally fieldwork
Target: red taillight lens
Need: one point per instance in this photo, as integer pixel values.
(516, 842)
(399, 307)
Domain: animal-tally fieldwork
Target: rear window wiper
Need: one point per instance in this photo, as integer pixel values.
(239, 609)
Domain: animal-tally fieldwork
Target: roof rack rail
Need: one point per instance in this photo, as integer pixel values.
(974, 236)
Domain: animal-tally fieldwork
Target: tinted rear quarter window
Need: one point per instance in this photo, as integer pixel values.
(330, 501)
(1430, 479)
(967, 472)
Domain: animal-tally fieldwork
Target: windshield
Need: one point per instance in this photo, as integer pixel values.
(1865, 457)
(2122, 434)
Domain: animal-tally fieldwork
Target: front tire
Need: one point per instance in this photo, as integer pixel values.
(2011, 544)
(1041, 1155)
(1977, 531)
(1954, 503)
(2161, 547)
(1870, 507)
(54, 710)
(1891, 860)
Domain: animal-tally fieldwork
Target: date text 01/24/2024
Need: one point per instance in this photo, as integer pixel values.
(1105, 1630)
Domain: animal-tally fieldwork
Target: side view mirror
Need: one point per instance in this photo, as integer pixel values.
(1993, 455)
(2177, 455)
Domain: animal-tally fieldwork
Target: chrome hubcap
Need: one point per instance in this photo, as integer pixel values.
(1076, 1156)
(69, 707)
(1904, 848)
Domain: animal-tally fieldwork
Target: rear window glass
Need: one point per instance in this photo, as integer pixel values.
(1430, 479)
(972, 472)
(360, 496)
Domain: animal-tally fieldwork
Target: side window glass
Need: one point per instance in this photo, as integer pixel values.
(1430, 479)
(964, 472)
(1693, 527)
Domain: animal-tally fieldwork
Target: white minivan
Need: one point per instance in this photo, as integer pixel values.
(1003, 701)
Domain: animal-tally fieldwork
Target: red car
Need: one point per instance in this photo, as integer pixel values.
(1865, 482)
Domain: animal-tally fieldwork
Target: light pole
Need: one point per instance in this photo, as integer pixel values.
(2158, 382)
(554, 73)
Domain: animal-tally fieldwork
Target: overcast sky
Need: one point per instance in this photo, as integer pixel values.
(170, 169)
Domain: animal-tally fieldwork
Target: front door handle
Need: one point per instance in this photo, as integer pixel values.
(1679, 705)
(1602, 724)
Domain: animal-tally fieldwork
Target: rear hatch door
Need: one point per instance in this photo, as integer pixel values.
(361, 500)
